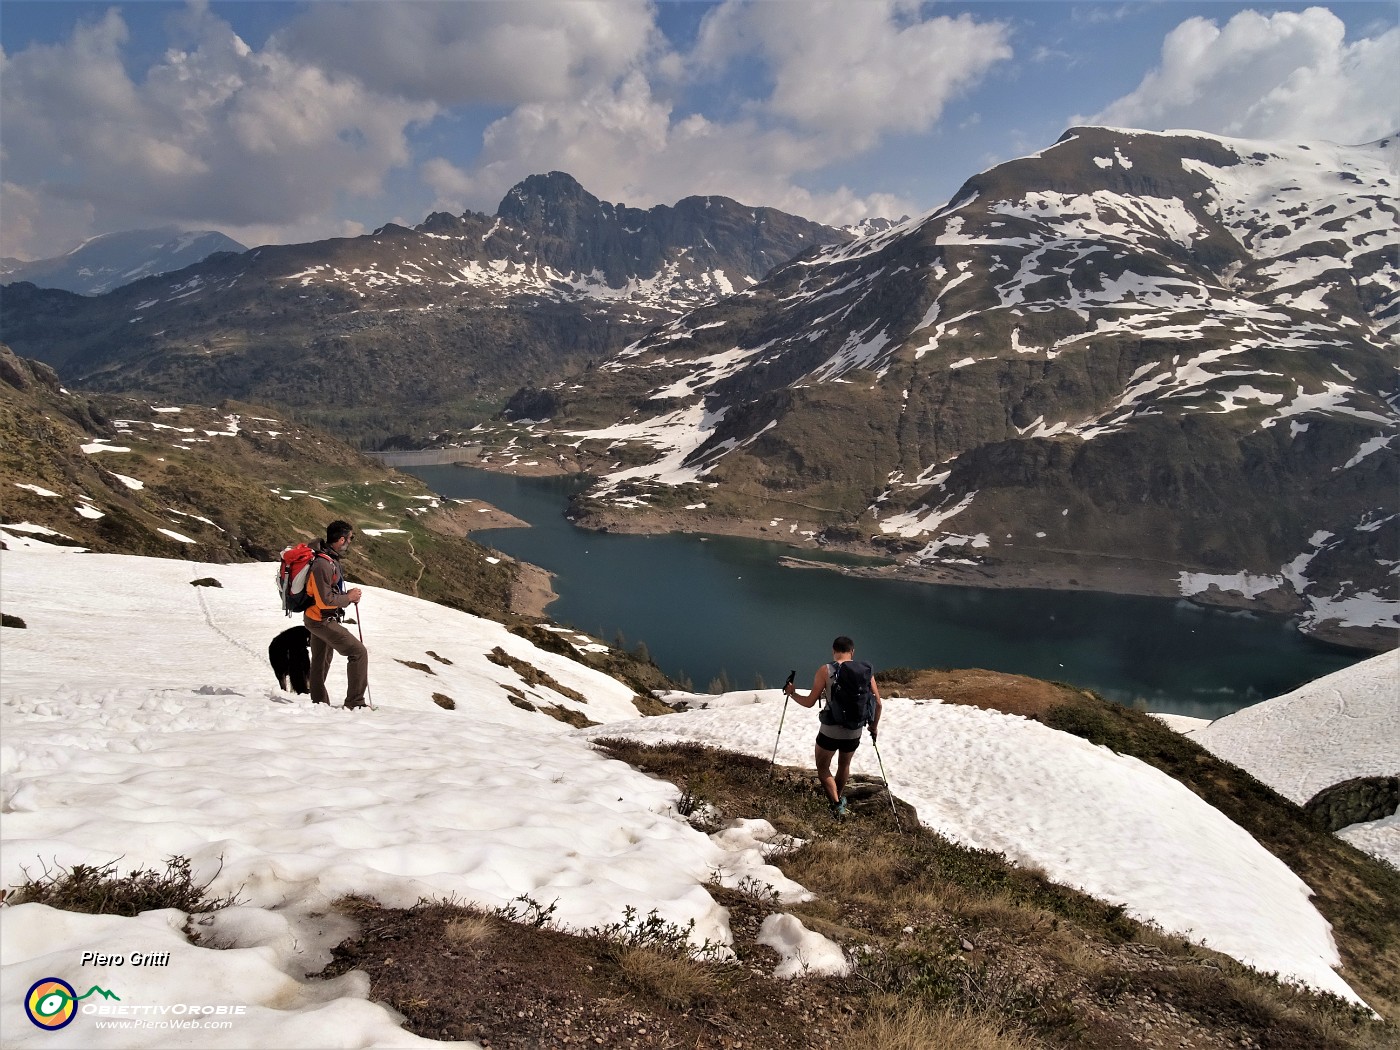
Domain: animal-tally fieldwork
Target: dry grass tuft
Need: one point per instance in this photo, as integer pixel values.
(678, 982)
(839, 870)
(469, 931)
(1011, 694)
(533, 676)
(1001, 911)
(649, 705)
(913, 1026)
(1074, 954)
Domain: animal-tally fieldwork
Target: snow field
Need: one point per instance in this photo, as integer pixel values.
(1337, 728)
(141, 720)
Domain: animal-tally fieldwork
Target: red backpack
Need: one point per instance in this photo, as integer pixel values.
(292, 570)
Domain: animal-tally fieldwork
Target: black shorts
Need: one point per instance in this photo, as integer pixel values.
(827, 743)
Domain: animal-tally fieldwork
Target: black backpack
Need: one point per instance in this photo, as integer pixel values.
(850, 700)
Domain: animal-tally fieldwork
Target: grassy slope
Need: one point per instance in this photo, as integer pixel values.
(241, 497)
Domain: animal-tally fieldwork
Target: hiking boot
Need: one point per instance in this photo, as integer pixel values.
(361, 706)
(838, 808)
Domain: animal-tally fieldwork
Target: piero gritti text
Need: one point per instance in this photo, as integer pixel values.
(134, 959)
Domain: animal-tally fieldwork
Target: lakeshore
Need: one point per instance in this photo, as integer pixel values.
(1038, 568)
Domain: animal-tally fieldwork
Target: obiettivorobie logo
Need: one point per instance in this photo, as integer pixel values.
(52, 1003)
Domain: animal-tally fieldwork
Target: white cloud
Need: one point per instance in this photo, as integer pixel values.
(215, 134)
(856, 71)
(275, 143)
(454, 188)
(1284, 75)
(37, 226)
(493, 51)
(1096, 15)
(843, 76)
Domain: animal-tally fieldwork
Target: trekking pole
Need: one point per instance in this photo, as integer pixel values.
(369, 696)
(791, 676)
(888, 792)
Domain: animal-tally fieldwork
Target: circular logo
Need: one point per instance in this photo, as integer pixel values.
(51, 1003)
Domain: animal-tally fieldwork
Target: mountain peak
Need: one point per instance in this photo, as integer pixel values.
(539, 195)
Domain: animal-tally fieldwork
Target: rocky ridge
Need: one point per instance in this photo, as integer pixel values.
(408, 329)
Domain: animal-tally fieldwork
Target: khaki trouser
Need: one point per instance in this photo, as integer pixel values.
(327, 638)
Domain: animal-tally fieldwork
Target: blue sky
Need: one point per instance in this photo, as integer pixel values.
(278, 122)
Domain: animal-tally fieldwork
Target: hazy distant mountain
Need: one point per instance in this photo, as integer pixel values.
(114, 259)
(1156, 354)
(421, 327)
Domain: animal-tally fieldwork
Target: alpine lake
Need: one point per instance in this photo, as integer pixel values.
(716, 609)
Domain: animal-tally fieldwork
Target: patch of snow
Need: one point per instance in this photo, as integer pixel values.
(1250, 585)
(801, 952)
(1380, 838)
(94, 447)
(924, 520)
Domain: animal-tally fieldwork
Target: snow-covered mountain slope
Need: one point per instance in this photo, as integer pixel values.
(111, 260)
(1170, 349)
(140, 720)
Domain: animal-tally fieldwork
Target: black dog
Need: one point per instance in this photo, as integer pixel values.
(291, 659)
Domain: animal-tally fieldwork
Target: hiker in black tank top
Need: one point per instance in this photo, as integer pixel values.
(858, 707)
